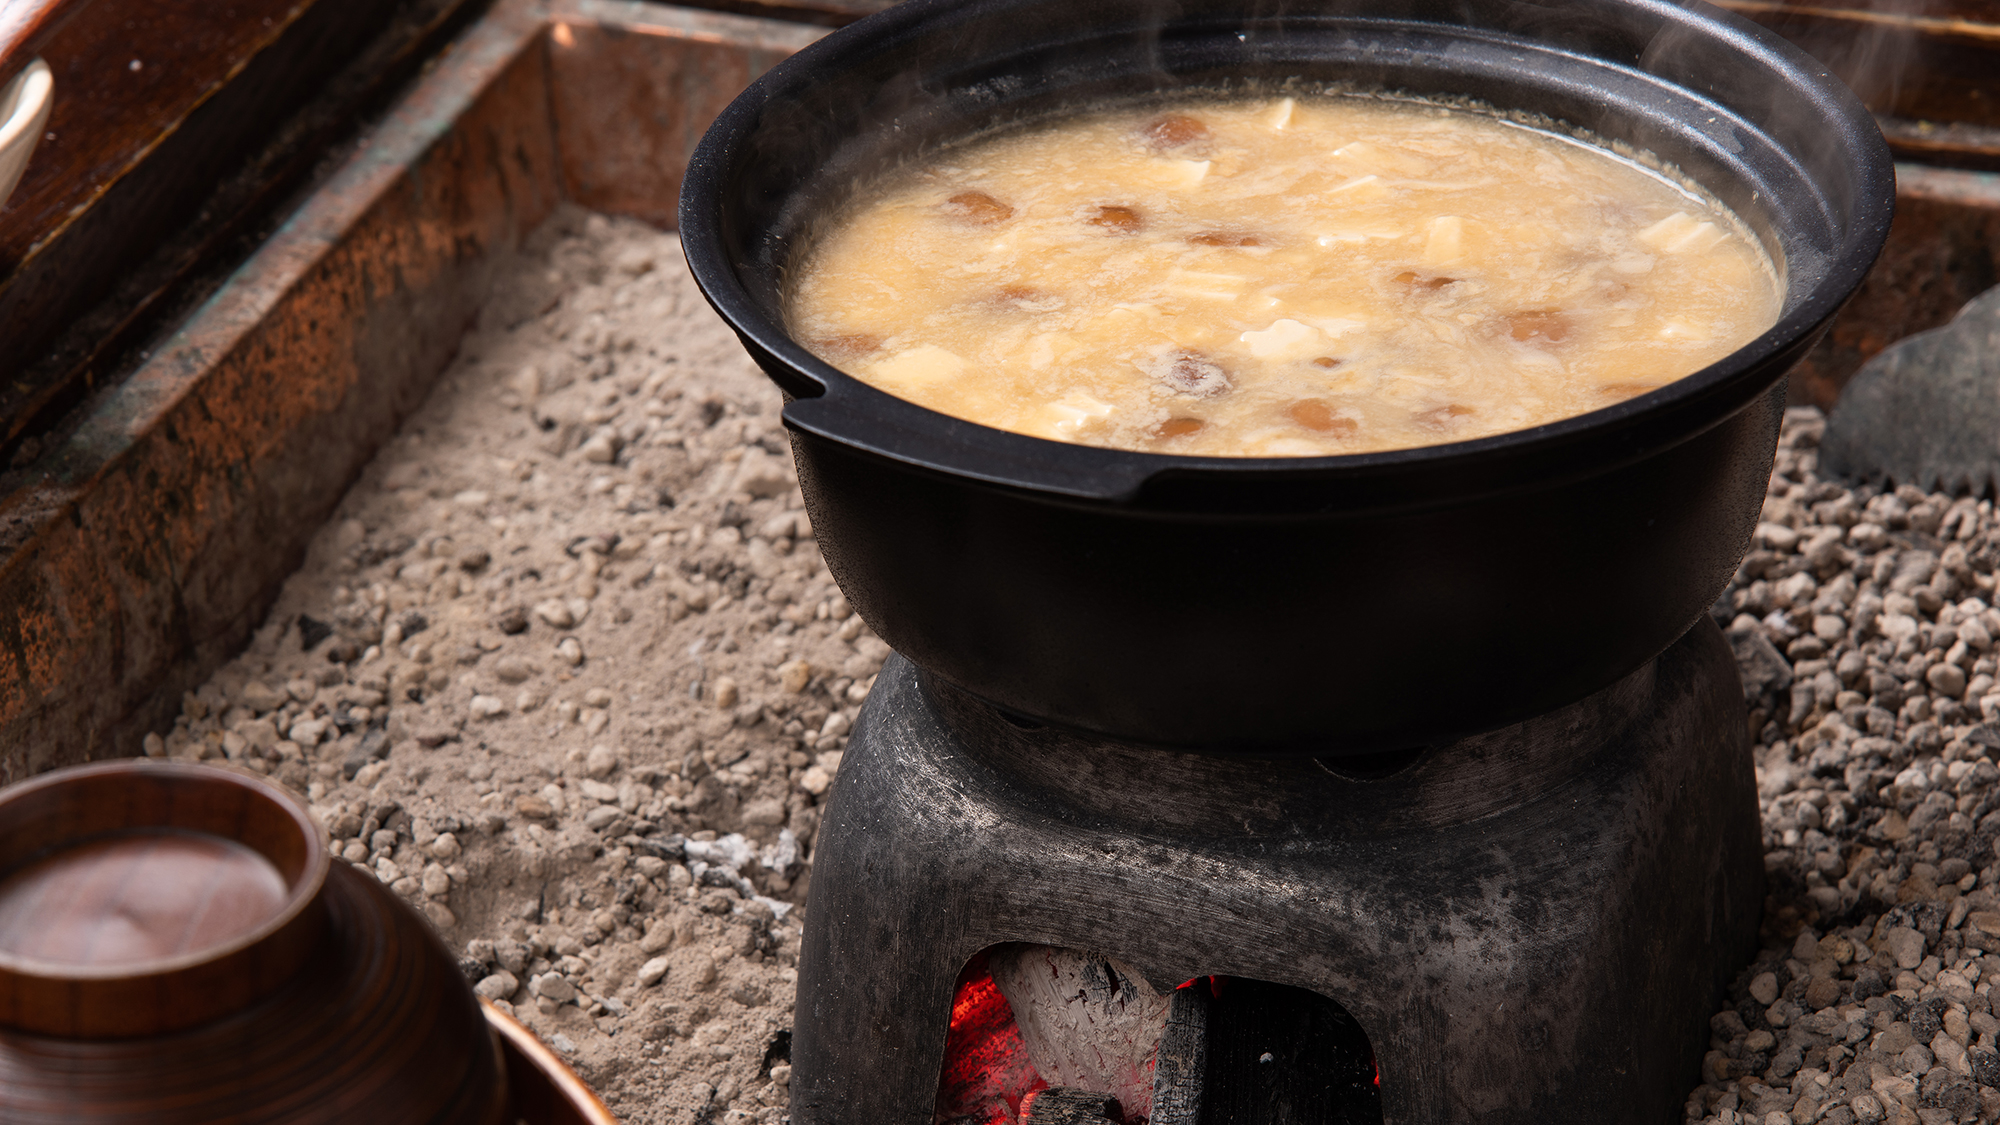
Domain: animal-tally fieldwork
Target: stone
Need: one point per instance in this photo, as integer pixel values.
(1946, 679)
(497, 986)
(553, 986)
(634, 260)
(512, 620)
(444, 846)
(652, 971)
(432, 734)
(600, 762)
(487, 707)
(1777, 536)
(1906, 946)
(260, 697)
(601, 448)
(1926, 410)
(259, 734)
(766, 812)
(794, 675)
(534, 807)
(726, 693)
(1984, 1066)
(694, 968)
(556, 613)
(762, 475)
(1764, 988)
(513, 669)
(436, 882)
(1763, 667)
(311, 632)
(1955, 1022)
(1950, 1053)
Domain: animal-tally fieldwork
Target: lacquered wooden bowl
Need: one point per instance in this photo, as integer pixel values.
(545, 1090)
(176, 947)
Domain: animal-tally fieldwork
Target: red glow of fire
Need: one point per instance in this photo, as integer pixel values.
(986, 1068)
(987, 1075)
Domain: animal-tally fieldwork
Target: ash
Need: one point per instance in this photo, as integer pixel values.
(566, 671)
(1863, 626)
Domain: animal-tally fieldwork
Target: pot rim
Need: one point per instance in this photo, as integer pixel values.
(826, 402)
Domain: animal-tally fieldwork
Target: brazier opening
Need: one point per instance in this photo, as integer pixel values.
(1042, 1035)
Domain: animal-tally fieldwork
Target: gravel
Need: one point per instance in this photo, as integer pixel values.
(1863, 624)
(566, 671)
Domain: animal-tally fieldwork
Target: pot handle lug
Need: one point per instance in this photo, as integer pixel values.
(922, 439)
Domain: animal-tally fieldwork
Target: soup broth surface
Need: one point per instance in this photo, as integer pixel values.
(1278, 277)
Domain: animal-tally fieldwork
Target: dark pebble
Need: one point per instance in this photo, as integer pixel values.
(1927, 1018)
(1985, 1066)
(373, 745)
(311, 632)
(1944, 1090)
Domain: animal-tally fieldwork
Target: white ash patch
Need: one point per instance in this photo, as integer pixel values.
(1864, 624)
(566, 671)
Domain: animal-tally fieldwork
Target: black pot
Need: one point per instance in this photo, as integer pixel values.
(1326, 605)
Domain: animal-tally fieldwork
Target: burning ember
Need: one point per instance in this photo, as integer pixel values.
(1046, 1036)
(987, 1074)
